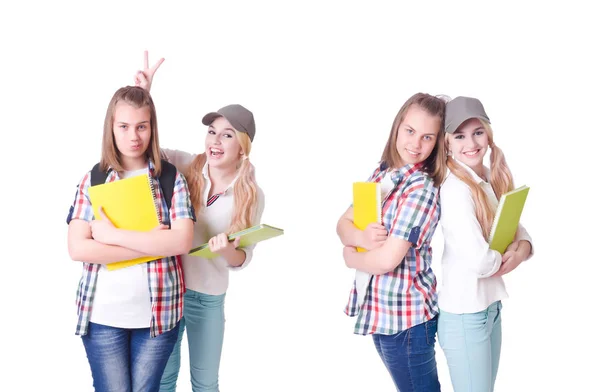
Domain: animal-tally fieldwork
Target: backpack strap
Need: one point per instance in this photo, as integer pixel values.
(167, 185)
(97, 176)
(167, 181)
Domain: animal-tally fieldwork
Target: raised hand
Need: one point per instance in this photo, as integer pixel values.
(144, 77)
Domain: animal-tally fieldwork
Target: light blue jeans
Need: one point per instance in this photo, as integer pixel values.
(204, 321)
(471, 343)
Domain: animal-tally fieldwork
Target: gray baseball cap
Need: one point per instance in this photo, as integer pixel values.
(241, 118)
(461, 109)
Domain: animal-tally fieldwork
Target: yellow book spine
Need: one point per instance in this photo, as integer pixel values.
(366, 205)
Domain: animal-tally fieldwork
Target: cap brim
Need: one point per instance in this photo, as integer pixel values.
(210, 117)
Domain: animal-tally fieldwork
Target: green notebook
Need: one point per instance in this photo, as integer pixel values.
(249, 236)
(506, 221)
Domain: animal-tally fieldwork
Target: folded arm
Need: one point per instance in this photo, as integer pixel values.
(349, 234)
(172, 242)
(380, 260)
(82, 247)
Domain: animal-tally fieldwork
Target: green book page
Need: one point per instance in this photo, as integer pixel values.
(249, 236)
(507, 218)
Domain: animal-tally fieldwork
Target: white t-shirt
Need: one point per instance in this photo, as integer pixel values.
(211, 276)
(468, 263)
(122, 297)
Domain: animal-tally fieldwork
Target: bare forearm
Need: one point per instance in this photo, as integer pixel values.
(91, 251)
(379, 260)
(373, 262)
(155, 243)
(348, 233)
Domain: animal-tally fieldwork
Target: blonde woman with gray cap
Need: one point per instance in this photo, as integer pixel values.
(226, 199)
(472, 288)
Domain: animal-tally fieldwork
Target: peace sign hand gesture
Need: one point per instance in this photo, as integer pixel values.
(144, 78)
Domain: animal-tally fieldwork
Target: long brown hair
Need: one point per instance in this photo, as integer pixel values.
(435, 164)
(500, 178)
(138, 98)
(245, 189)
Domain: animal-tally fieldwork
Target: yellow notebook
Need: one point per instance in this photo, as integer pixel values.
(129, 204)
(249, 236)
(506, 221)
(366, 205)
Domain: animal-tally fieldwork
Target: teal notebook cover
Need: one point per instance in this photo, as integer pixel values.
(250, 236)
(506, 221)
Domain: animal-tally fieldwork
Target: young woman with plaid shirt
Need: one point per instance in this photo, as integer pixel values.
(129, 318)
(394, 293)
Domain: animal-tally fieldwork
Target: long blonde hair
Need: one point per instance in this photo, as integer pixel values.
(138, 98)
(245, 189)
(501, 181)
(434, 165)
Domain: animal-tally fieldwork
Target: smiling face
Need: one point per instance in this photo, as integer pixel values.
(417, 135)
(223, 149)
(469, 143)
(132, 133)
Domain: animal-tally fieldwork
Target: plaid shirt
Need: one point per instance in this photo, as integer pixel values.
(406, 296)
(165, 276)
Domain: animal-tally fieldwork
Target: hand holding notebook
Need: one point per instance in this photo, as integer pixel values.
(102, 227)
(251, 235)
(221, 245)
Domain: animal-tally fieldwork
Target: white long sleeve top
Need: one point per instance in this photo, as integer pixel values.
(468, 263)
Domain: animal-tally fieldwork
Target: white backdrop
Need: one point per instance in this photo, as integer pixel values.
(324, 80)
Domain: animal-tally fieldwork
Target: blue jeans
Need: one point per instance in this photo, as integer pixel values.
(204, 320)
(409, 357)
(471, 344)
(127, 360)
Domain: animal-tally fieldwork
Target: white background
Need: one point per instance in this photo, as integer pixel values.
(324, 80)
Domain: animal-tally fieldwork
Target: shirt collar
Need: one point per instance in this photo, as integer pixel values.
(398, 174)
(207, 178)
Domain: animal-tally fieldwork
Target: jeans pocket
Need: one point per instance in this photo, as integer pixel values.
(431, 328)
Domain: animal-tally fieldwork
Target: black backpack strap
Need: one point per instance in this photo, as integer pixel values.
(97, 176)
(167, 184)
(166, 180)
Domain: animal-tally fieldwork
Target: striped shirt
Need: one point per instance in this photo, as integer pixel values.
(165, 276)
(406, 296)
